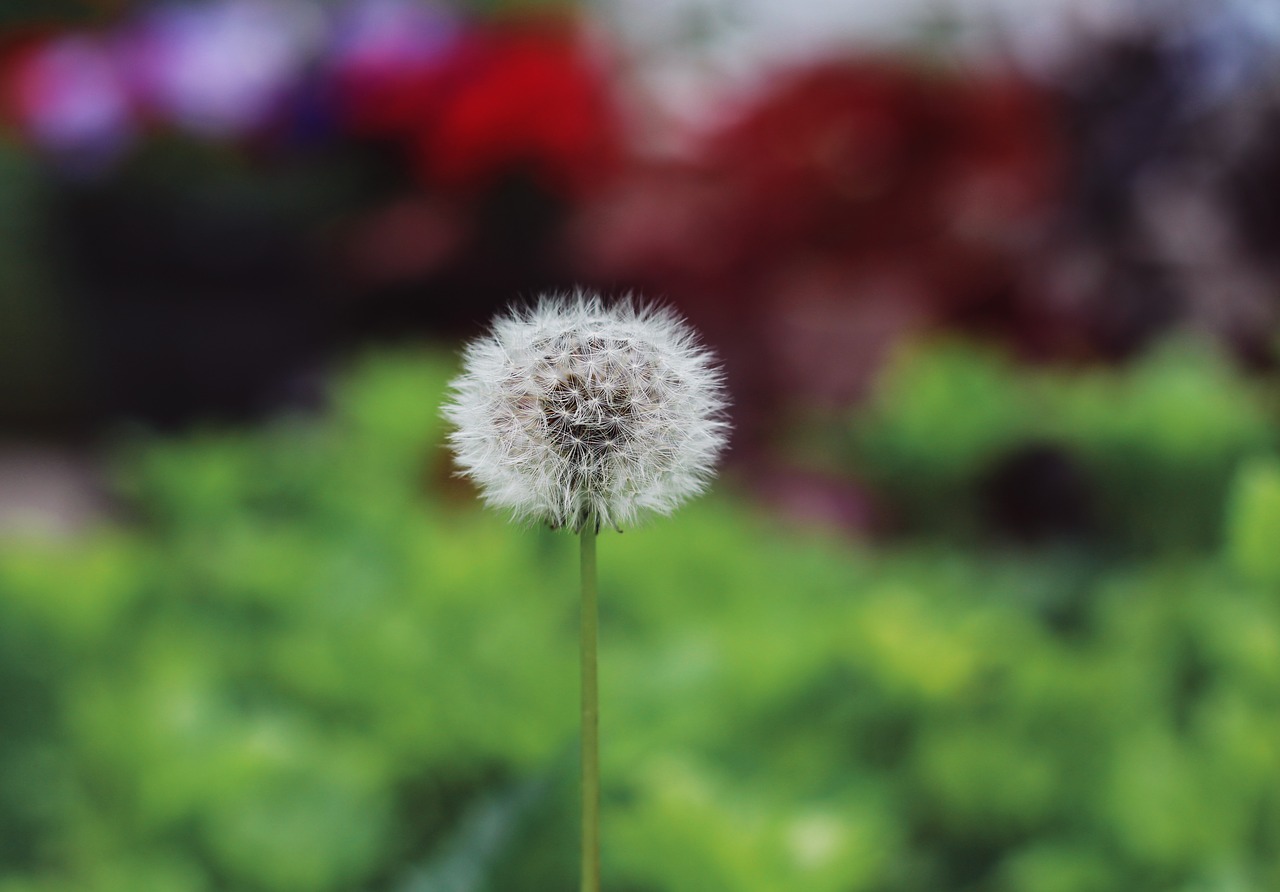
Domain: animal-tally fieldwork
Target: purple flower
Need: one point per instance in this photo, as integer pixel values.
(388, 36)
(223, 69)
(383, 61)
(71, 98)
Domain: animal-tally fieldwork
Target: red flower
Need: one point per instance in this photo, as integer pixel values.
(376, 101)
(521, 100)
(828, 150)
(873, 155)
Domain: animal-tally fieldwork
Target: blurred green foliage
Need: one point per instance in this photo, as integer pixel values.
(1156, 444)
(37, 359)
(309, 662)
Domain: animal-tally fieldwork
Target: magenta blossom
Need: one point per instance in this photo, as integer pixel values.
(384, 60)
(391, 35)
(71, 98)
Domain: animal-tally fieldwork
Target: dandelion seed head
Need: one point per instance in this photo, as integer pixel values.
(575, 412)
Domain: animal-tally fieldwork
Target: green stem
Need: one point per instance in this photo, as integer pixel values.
(590, 716)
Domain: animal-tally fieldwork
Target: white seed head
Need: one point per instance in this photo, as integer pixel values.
(575, 412)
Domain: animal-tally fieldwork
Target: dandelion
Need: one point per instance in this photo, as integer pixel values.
(577, 413)
(582, 415)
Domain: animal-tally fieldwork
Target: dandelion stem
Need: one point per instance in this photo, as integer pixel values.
(590, 716)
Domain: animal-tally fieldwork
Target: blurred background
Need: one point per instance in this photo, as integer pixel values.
(987, 598)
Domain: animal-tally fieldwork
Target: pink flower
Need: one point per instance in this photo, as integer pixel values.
(385, 61)
(69, 95)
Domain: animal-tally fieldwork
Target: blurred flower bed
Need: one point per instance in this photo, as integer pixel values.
(310, 662)
(216, 197)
